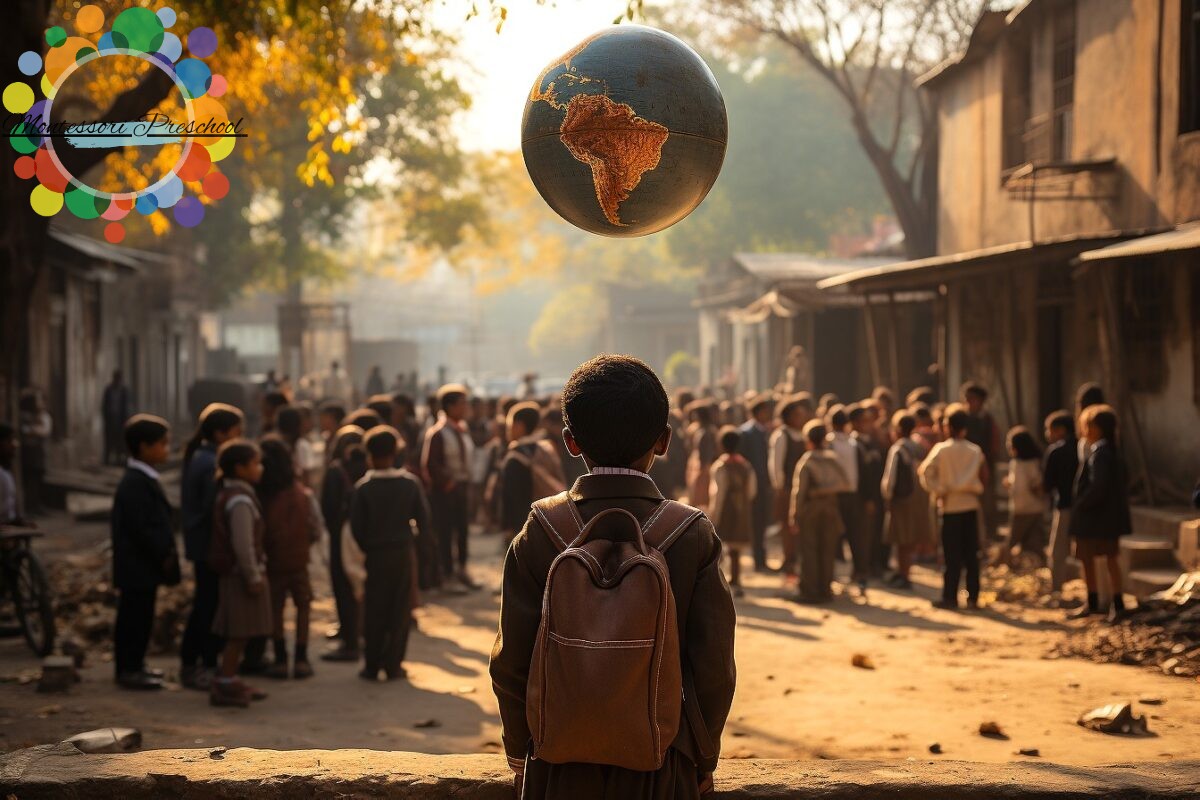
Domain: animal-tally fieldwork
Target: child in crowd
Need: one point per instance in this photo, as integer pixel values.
(329, 419)
(702, 450)
(269, 407)
(615, 411)
(907, 524)
(1026, 503)
(787, 446)
(387, 501)
(955, 473)
(244, 609)
(813, 516)
(755, 446)
(10, 500)
(1058, 480)
(143, 548)
(291, 525)
(307, 459)
(346, 467)
(531, 468)
(732, 492)
(200, 647)
(1100, 511)
(850, 502)
(864, 429)
(446, 467)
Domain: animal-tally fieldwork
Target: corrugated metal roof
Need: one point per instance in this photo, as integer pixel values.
(930, 271)
(103, 251)
(1184, 237)
(801, 267)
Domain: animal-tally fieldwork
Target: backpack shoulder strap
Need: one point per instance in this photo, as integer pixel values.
(559, 516)
(667, 523)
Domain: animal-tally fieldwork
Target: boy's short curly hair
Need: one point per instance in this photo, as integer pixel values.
(616, 408)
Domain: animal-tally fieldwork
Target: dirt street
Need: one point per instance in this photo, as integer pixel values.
(937, 676)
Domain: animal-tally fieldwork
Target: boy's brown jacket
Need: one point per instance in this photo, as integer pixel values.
(703, 605)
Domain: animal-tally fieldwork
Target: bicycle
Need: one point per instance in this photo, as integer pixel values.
(23, 581)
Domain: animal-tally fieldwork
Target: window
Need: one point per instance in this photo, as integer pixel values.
(1064, 82)
(1146, 305)
(1016, 100)
(1189, 66)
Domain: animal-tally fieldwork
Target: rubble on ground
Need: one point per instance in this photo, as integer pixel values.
(1115, 718)
(1028, 587)
(85, 603)
(1163, 632)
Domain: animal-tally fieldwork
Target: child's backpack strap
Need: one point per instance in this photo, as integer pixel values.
(560, 518)
(667, 523)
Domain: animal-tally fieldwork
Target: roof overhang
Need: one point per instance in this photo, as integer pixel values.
(1185, 237)
(925, 273)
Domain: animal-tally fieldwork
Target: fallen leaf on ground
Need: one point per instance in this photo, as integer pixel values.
(935, 748)
(862, 661)
(427, 723)
(1029, 751)
(992, 729)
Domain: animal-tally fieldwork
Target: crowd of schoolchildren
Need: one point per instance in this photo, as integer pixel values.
(391, 492)
(896, 484)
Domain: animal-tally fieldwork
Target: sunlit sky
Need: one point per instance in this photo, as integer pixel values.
(501, 67)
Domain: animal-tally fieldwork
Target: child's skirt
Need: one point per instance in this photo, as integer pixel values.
(242, 614)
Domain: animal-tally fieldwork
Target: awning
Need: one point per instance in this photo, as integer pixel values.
(1184, 237)
(770, 304)
(929, 272)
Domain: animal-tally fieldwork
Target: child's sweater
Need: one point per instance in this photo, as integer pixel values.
(386, 503)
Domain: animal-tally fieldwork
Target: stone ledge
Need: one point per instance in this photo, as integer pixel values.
(60, 771)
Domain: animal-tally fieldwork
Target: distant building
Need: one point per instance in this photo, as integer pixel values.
(756, 307)
(651, 322)
(98, 308)
(1068, 221)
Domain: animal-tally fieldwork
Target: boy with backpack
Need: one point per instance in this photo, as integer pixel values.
(907, 520)
(530, 469)
(613, 665)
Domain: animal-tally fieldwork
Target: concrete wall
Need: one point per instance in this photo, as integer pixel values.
(1125, 90)
(60, 771)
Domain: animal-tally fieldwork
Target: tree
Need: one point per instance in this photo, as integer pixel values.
(329, 48)
(870, 52)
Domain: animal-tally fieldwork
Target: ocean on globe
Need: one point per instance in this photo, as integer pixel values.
(625, 133)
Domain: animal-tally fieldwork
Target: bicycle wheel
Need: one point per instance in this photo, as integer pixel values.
(32, 598)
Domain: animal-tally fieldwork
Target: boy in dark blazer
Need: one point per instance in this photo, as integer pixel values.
(143, 548)
(615, 412)
(754, 445)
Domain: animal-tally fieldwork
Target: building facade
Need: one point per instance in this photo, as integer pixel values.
(1069, 188)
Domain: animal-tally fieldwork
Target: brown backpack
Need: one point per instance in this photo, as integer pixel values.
(605, 684)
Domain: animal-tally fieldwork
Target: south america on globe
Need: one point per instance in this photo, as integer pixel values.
(626, 132)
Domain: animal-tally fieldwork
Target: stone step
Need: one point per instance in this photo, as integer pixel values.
(1146, 552)
(1142, 583)
(1161, 522)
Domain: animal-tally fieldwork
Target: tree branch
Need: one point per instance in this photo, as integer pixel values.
(129, 105)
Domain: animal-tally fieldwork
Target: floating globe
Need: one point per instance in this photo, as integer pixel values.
(625, 133)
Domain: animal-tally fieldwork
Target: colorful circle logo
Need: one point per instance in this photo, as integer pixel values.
(207, 137)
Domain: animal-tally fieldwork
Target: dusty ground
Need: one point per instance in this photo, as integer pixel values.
(938, 676)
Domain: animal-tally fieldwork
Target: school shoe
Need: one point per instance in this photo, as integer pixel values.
(341, 653)
(229, 693)
(302, 669)
(371, 676)
(398, 674)
(140, 680)
(466, 581)
(199, 678)
(945, 605)
(278, 671)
